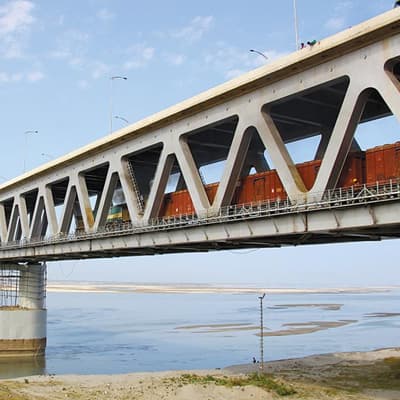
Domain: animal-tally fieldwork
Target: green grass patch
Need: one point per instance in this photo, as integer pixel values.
(381, 374)
(262, 381)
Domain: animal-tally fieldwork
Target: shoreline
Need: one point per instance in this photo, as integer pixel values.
(362, 375)
(110, 287)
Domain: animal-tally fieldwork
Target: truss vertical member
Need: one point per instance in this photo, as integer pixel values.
(23, 313)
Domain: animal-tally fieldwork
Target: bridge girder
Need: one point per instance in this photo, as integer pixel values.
(325, 89)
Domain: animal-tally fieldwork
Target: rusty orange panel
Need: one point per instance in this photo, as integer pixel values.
(353, 172)
(179, 203)
(211, 191)
(276, 190)
(260, 187)
(308, 172)
(383, 163)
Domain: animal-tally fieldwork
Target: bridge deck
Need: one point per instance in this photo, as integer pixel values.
(326, 221)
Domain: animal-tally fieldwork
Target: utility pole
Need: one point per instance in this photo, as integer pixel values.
(112, 79)
(296, 27)
(26, 133)
(261, 298)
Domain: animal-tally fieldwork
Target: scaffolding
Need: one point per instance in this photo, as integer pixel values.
(22, 286)
(9, 286)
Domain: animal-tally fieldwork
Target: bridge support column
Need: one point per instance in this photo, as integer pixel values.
(23, 314)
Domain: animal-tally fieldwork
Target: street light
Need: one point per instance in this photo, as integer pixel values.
(259, 53)
(49, 156)
(296, 26)
(261, 298)
(112, 79)
(122, 119)
(26, 133)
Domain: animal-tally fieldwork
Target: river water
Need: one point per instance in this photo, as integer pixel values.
(110, 333)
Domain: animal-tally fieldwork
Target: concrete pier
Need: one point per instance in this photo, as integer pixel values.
(23, 314)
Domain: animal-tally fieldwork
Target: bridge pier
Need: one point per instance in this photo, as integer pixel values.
(23, 314)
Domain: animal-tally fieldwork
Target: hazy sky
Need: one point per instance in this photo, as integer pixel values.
(56, 61)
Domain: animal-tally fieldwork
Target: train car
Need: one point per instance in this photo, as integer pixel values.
(308, 171)
(378, 164)
(118, 214)
(211, 191)
(114, 214)
(353, 172)
(177, 203)
(259, 187)
(383, 163)
(266, 186)
(180, 202)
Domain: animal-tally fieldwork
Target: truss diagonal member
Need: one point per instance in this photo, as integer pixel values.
(68, 210)
(50, 210)
(84, 203)
(234, 164)
(23, 217)
(280, 157)
(192, 177)
(340, 140)
(390, 91)
(3, 223)
(36, 224)
(103, 206)
(157, 190)
(12, 226)
(128, 190)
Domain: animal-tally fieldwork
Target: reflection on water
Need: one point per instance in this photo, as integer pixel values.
(14, 367)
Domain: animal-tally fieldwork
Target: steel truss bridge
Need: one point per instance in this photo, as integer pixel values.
(324, 90)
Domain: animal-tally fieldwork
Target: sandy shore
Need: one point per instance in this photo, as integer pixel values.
(98, 287)
(338, 376)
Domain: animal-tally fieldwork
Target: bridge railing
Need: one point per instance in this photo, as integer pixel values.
(331, 199)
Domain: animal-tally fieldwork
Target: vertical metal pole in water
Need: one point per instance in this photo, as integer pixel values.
(261, 333)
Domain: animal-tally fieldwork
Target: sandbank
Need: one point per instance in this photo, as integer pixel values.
(105, 287)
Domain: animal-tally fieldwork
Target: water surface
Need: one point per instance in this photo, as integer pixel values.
(110, 333)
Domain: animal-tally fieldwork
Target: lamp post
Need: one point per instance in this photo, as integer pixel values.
(259, 53)
(261, 298)
(122, 119)
(296, 27)
(26, 133)
(47, 155)
(112, 79)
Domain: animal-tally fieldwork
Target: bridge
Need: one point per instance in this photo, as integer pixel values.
(60, 210)
(140, 190)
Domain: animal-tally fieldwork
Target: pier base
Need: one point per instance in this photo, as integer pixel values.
(23, 316)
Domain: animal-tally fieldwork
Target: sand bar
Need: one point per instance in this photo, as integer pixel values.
(102, 287)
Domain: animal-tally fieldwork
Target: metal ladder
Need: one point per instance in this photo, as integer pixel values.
(139, 199)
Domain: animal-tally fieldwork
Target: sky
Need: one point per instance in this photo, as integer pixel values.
(57, 58)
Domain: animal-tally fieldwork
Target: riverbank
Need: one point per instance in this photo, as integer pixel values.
(338, 376)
